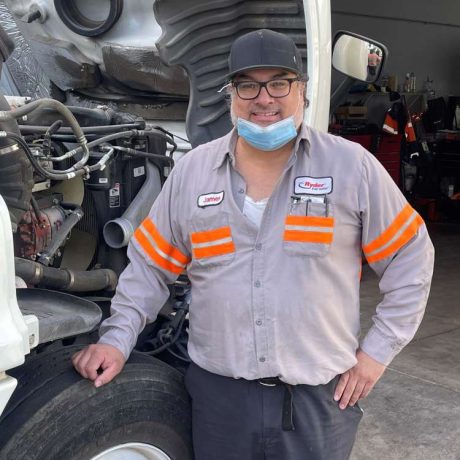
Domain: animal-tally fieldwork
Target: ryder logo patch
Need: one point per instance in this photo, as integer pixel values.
(306, 185)
(210, 199)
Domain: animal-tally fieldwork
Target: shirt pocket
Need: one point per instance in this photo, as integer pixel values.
(211, 240)
(309, 229)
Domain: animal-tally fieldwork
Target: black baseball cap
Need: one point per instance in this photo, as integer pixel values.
(264, 48)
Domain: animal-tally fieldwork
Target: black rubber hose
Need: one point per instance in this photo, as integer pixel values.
(154, 156)
(65, 279)
(47, 137)
(35, 208)
(59, 238)
(38, 167)
(85, 116)
(56, 174)
(51, 103)
(33, 129)
(80, 24)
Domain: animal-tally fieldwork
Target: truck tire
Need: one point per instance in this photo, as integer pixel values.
(144, 413)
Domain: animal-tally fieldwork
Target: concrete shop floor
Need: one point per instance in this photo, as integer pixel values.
(413, 412)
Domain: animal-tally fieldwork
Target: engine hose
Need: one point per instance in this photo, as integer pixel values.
(37, 166)
(96, 142)
(16, 174)
(139, 153)
(46, 144)
(59, 238)
(28, 129)
(169, 137)
(65, 279)
(53, 174)
(59, 107)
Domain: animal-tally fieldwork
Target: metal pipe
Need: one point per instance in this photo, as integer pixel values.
(117, 232)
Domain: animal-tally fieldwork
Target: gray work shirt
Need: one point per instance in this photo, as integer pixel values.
(283, 299)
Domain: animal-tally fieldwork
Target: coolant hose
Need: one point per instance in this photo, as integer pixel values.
(117, 232)
(59, 107)
(65, 279)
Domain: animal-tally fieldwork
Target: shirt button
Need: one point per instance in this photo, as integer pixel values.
(257, 284)
(259, 322)
(262, 359)
(241, 190)
(258, 246)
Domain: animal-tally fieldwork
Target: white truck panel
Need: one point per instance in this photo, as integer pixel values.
(319, 46)
(14, 332)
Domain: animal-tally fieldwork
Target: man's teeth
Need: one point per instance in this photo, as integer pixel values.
(267, 114)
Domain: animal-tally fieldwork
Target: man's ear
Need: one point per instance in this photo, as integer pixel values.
(303, 92)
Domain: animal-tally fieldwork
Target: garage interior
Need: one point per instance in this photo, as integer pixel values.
(414, 410)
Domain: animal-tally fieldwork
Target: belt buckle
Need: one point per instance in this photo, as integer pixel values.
(265, 382)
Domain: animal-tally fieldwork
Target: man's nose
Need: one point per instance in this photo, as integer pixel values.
(264, 97)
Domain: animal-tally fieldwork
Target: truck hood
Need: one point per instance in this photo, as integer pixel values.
(150, 52)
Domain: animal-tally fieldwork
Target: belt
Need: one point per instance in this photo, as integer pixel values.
(287, 415)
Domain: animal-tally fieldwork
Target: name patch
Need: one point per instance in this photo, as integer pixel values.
(210, 199)
(306, 185)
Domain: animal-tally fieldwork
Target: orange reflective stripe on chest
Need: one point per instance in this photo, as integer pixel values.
(309, 229)
(210, 243)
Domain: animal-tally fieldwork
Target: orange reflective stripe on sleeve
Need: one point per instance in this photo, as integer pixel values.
(167, 248)
(398, 233)
(391, 230)
(405, 236)
(158, 249)
(211, 243)
(309, 229)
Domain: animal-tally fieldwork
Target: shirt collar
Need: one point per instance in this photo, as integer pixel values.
(226, 148)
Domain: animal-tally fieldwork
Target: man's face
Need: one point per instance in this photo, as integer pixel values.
(265, 109)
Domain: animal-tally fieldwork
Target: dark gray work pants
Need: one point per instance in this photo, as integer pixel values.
(236, 419)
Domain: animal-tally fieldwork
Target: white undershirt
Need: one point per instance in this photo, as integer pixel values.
(254, 210)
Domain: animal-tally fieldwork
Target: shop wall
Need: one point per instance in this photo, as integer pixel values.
(422, 37)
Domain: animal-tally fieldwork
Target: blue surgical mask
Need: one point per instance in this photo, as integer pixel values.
(267, 138)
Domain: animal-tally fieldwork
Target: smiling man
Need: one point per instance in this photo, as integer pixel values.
(270, 222)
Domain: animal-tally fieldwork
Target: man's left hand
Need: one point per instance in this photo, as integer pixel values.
(357, 382)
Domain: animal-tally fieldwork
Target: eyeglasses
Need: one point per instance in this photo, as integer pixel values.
(279, 87)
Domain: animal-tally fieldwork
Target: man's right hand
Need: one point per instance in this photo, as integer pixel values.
(99, 357)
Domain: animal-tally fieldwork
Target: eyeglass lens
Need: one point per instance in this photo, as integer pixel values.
(275, 88)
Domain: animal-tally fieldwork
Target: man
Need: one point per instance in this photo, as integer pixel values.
(269, 222)
(373, 60)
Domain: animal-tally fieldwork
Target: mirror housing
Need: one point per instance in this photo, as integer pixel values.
(358, 57)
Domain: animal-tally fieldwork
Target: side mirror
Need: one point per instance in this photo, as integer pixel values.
(358, 57)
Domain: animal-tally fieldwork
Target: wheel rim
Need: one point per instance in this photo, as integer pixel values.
(132, 451)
